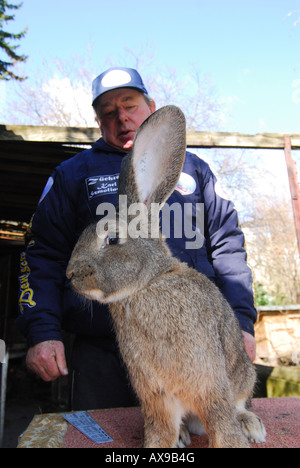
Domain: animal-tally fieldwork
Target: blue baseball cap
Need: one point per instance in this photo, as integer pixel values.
(115, 78)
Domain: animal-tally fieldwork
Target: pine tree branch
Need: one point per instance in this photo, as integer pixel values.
(8, 48)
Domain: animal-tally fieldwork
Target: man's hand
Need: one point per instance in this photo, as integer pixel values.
(47, 359)
(250, 345)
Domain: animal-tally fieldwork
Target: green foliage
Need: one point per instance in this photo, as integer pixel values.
(262, 298)
(6, 46)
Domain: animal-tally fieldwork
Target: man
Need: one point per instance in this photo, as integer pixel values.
(68, 205)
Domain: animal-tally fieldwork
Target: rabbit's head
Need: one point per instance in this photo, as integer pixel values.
(123, 252)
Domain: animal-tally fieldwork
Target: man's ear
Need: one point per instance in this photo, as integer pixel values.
(152, 106)
(99, 123)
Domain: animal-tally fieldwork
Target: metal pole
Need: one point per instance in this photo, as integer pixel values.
(3, 396)
(294, 185)
(3, 378)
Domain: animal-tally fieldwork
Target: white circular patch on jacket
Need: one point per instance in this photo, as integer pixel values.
(186, 184)
(220, 192)
(115, 78)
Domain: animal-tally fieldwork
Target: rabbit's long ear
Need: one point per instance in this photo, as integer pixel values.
(151, 172)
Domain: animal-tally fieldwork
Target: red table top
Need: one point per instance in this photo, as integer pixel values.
(281, 417)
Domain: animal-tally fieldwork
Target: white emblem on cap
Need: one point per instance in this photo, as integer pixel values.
(115, 78)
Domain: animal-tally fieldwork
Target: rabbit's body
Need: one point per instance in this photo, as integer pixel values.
(178, 336)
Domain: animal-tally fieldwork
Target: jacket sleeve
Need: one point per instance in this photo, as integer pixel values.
(42, 268)
(227, 254)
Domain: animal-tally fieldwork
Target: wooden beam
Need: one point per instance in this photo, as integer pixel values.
(78, 135)
(238, 140)
(294, 187)
(49, 134)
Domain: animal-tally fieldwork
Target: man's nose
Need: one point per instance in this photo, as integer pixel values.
(122, 115)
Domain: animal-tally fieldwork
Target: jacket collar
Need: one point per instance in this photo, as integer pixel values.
(101, 145)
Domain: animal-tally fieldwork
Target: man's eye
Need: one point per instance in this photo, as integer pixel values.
(130, 108)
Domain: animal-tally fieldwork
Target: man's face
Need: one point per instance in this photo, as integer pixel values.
(120, 113)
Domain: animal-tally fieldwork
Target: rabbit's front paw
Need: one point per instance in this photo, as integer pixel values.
(252, 427)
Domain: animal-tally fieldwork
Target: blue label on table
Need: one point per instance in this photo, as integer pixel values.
(85, 424)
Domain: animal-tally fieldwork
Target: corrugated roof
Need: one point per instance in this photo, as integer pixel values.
(24, 170)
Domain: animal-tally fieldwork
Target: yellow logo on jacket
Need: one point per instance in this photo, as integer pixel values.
(26, 293)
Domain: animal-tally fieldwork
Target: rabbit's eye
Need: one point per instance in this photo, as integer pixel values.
(111, 240)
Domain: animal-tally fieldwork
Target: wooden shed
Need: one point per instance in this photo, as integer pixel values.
(28, 155)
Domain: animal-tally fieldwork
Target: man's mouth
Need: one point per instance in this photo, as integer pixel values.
(126, 133)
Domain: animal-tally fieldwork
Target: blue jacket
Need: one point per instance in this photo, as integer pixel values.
(68, 205)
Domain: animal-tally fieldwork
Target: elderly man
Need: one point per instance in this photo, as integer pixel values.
(68, 204)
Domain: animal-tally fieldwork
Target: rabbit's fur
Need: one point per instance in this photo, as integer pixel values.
(178, 336)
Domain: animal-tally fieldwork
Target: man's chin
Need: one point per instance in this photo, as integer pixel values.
(120, 145)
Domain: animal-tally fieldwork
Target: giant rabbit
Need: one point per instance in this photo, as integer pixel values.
(178, 336)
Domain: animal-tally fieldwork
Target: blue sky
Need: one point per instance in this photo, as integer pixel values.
(249, 48)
